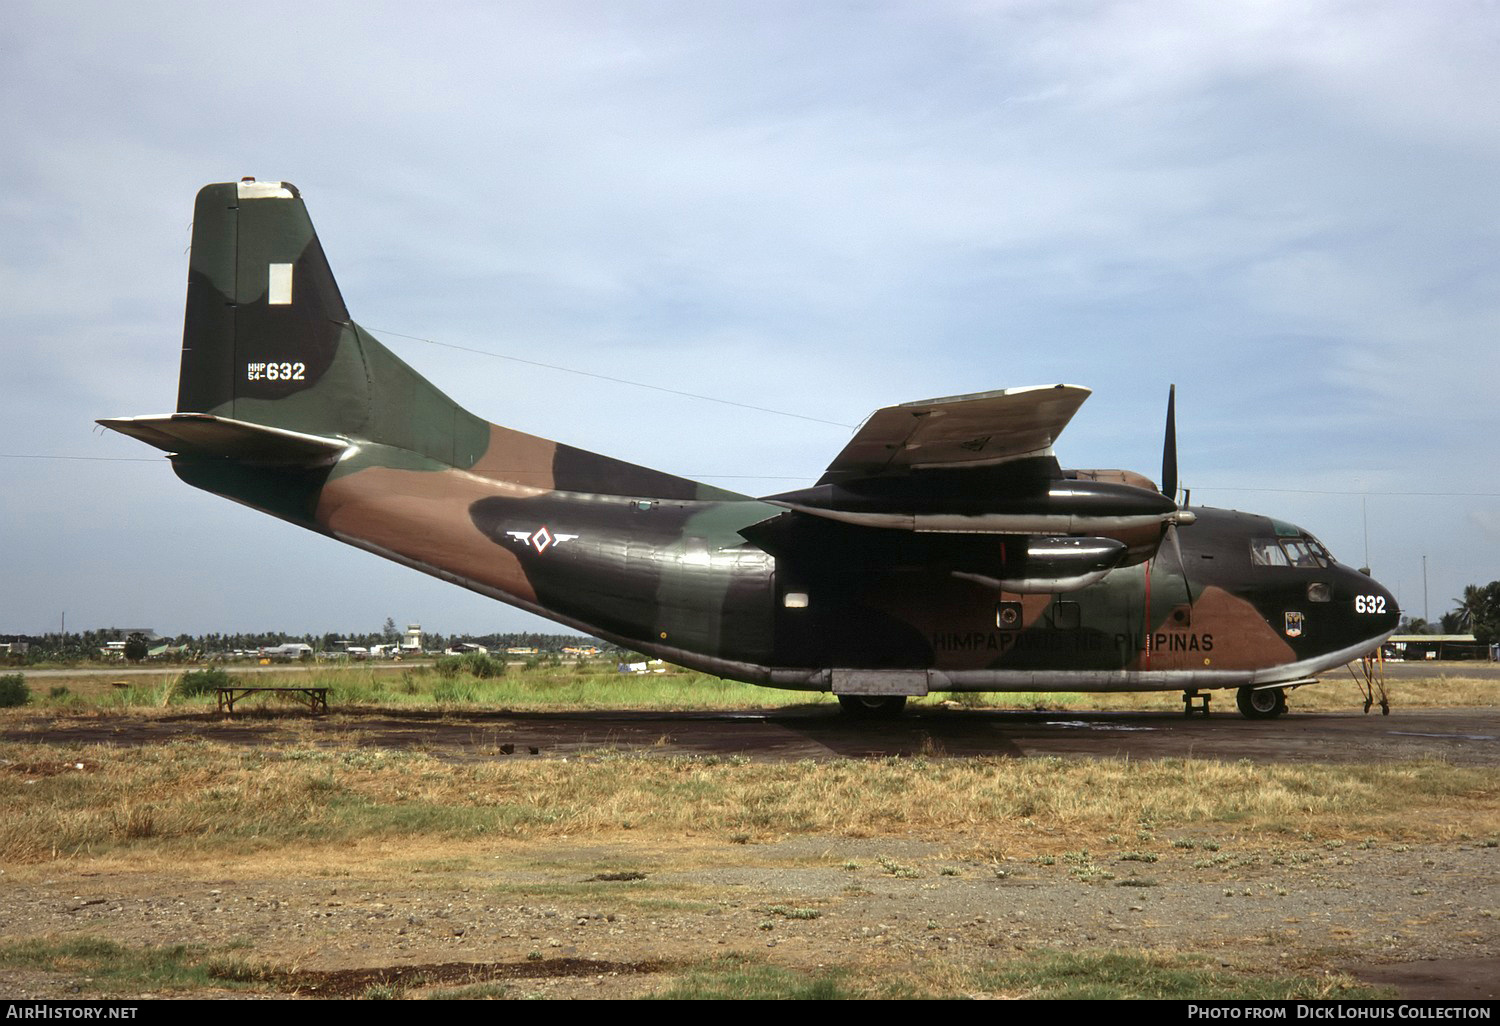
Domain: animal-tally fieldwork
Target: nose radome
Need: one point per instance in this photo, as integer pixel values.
(1393, 610)
(1386, 614)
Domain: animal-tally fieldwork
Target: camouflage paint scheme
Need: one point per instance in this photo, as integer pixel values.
(287, 405)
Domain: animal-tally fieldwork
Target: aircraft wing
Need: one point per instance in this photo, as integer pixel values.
(972, 465)
(958, 432)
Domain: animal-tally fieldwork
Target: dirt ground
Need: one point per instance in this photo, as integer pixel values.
(616, 915)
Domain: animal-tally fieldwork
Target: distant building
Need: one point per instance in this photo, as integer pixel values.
(649, 666)
(1414, 647)
(411, 642)
(290, 651)
(116, 649)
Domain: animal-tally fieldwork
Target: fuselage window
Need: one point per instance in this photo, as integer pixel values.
(1008, 616)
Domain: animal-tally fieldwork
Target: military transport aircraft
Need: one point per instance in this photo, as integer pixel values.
(943, 550)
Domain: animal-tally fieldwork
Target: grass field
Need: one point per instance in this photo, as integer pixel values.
(167, 797)
(116, 969)
(194, 799)
(586, 686)
(366, 819)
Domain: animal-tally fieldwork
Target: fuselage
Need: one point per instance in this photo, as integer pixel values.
(943, 548)
(1237, 599)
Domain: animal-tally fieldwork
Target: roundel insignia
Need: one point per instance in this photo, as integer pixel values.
(541, 539)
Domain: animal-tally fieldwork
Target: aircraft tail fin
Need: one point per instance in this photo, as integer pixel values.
(268, 340)
(276, 374)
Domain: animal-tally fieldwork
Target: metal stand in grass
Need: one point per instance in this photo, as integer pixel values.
(227, 691)
(316, 699)
(1371, 680)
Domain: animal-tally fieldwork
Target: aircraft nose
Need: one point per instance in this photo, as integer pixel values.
(1377, 606)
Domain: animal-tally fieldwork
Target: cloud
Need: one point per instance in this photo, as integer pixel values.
(1488, 523)
(1288, 210)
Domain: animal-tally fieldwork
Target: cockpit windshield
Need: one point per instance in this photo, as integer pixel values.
(1303, 552)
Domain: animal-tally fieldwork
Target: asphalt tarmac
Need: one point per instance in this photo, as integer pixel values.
(1464, 737)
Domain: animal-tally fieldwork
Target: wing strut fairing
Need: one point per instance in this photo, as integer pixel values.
(973, 502)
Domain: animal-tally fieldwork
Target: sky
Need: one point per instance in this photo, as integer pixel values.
(1288, 210)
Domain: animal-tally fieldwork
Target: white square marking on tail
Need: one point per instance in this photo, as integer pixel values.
(279, 285)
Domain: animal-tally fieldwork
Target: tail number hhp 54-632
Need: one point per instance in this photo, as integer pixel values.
(276, 371)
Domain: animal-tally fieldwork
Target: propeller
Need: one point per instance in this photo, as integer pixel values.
(1169, 485)
(1169, 448)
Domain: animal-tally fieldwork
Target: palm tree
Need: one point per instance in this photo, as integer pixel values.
(1471, 606)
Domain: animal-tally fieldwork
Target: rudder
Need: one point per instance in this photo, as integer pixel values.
(264, 315)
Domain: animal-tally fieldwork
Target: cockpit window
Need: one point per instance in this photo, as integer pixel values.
(1267, 552)
(1299, 553)
(1304, 552)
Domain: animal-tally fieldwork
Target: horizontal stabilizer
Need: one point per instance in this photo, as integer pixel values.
(203, 436)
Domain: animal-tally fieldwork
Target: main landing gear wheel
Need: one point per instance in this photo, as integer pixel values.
(1261, 704)
(872, 707)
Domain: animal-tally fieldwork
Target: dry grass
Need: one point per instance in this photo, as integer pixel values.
(1336, 692)
(201, 798)
(113, 969)
(568, 686)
